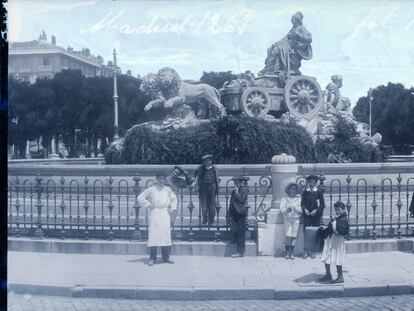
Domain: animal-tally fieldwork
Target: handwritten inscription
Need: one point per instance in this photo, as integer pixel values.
(210, 22)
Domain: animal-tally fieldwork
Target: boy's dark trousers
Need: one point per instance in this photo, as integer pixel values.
(239, 231)
(208, 201)
(165, 251)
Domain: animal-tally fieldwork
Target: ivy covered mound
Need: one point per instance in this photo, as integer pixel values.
(232, 140)
(238, 140)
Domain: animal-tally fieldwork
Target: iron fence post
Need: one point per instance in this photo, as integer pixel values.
(62, 207)
(374, 208)
(136, 235)
(38, 233)
(110, 207)
(86, 207)
(191, 208)
(399, 205)
(17, 205)
(348, 201)
(217, 235)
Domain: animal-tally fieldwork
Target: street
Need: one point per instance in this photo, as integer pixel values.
(49, 303)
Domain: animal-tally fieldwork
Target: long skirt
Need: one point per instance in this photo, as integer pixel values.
(334, 250)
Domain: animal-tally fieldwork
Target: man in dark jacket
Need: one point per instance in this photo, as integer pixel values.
(207, 185)
(238, 210)
(312, 204)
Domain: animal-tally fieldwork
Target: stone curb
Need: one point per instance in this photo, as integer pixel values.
(205, 293)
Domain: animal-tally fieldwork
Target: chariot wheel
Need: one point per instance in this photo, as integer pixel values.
(303, 97)
(255, 102)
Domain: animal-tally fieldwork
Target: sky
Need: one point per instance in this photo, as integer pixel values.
(368, 42)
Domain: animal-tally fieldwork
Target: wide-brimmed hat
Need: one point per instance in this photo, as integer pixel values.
(207, 156)
(312, 177)
(290, 185)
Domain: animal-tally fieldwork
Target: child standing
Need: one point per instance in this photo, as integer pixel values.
(291, 210)
(312, 204)
(334, 247)
(238, 210)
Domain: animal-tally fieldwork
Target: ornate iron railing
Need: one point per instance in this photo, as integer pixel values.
(378, 210)
(105, 208)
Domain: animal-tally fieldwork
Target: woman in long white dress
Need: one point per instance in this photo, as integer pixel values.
(334, 245)
(291, 209)
(162, 202)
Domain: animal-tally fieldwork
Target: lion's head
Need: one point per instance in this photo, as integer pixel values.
(169, 82)
(149, 85)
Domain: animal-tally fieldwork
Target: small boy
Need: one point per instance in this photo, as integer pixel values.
(238, 210)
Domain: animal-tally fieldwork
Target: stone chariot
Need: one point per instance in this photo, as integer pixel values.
(300, 95)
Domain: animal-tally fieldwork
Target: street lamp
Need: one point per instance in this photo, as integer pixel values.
(370, 97)
(116, 136)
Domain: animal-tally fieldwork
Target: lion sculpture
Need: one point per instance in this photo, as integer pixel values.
(167, 90)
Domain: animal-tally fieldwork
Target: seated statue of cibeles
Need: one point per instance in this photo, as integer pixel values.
(284, 56)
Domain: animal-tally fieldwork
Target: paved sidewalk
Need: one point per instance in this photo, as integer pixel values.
(50, 303)
(206, 277)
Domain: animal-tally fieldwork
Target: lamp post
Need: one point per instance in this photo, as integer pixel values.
(116, 136)
(370, 111)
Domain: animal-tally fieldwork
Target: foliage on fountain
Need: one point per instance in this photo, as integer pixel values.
(233, 139)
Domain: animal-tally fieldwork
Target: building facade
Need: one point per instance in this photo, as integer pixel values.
(39, 59)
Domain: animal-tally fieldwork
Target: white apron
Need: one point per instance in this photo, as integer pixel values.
(160, 202)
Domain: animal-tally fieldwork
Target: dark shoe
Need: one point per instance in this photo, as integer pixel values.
(326, 277)
(287, 251)
(292, 248)
(339, 279)
(169, 261)
(313, 255)
(151, 262)
(305, 255)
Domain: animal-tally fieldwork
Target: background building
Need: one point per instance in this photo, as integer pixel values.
(38, 58)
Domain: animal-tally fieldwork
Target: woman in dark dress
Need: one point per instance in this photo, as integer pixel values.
(312, 205)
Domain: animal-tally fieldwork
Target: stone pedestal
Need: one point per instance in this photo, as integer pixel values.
(28, 155)
(53, 155)
(100, 155)
(271, 234)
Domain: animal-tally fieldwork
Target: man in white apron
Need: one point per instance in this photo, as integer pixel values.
(162, 203)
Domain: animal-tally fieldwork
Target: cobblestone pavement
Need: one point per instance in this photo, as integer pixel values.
(49, 303)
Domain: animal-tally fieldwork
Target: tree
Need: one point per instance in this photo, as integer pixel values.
(22, 120)
(217, 79)
(392, 115)
(70, 105)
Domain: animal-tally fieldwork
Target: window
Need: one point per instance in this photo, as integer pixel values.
(45, 61)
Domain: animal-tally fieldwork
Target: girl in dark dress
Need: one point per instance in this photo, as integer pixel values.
(312, 205)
